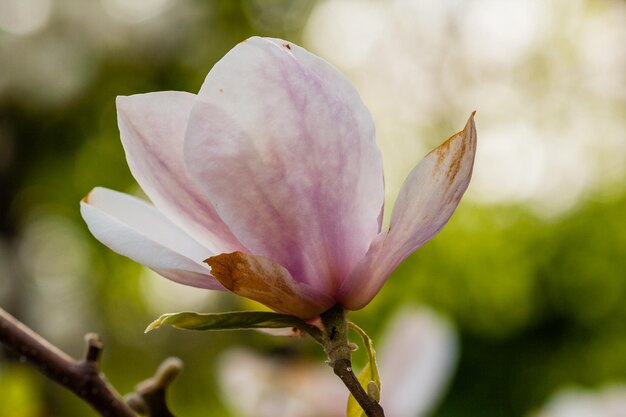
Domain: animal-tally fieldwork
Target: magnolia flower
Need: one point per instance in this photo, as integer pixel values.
(271, 175)
(416, 358)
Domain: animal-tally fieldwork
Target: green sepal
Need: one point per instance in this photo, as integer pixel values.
(369, 374)
(236, 320)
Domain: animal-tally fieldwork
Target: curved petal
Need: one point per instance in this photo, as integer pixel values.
(426, 202)
(152, 128)
(416, 360)
(137, 230)
(286, 150)
(262, 280)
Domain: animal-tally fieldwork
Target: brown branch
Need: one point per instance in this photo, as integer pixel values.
(339, 351)
(343, 369)
(149, 396)
(81, 377)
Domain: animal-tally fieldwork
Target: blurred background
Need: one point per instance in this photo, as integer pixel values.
(531, 270)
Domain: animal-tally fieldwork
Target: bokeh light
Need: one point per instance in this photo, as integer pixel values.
(23, 17)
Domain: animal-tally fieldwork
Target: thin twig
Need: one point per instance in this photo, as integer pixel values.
(339, 353)
(149, 396)
(81, 377)
(343, 369)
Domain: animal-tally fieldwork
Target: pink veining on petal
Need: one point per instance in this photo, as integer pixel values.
(267, 282)
(152, 128)
(426, 202)
(284, 147)
(275, 160)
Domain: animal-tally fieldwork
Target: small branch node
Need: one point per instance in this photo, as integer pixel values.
(80, 377)
(169, 369)
(136, 403)
(93, 349)
(149, 396)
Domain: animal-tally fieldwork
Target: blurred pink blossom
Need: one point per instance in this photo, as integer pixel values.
(271, 175)
(609, 401)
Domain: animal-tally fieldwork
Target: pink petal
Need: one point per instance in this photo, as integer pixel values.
(152, 128)
(286, 150)
(416, 358)
(260, 279)
(135, 229)
(426, 202)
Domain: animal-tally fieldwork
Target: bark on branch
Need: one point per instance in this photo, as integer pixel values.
(149, 396)
(83, 377)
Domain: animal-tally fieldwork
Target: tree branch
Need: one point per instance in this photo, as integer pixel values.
(81, 377)
(339, 351)
(149, 396)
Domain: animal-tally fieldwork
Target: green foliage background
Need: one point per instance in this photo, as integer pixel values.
(539, 302)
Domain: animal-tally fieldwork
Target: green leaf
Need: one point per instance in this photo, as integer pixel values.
(369, 374)
(237, 320)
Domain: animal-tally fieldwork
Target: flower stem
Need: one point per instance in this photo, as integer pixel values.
(339, 351)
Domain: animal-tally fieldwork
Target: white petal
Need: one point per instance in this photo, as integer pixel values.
(152, 128)
(135, 229)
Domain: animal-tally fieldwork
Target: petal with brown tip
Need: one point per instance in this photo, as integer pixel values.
(267, 282)
(428, 197)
